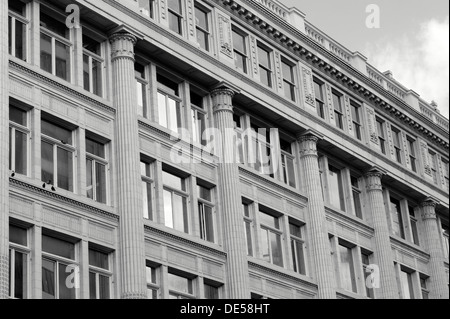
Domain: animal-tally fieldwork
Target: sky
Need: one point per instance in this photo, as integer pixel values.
(412, 39)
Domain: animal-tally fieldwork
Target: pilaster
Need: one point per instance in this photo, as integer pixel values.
(4, 151)
(234, 237)
(129, 194)
(438, 279)
(383, 251)
(320, 246)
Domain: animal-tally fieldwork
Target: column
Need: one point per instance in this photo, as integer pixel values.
(4, 151)
(438, 279)
(129, 193)
(383, 251)
(230, 198)
(320, 246)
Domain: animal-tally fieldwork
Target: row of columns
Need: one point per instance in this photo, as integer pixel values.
(129, 195)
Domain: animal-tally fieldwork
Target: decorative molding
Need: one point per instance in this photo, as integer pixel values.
(278, 70)
(63, 199)
(425, 158)
(371, 123)
(225, 36)
(190, 14)
(60, 86)
(254, 56)
(349, 114)
(329, 102)
(308, 87)
(133, 295)
(182, 240)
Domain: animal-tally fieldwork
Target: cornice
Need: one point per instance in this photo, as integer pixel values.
(359, 225)
(409, 248)
(185, 241)
(23, 69)
(62, 199)
(312, 59)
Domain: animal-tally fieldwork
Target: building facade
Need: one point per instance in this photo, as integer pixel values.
(211, 149)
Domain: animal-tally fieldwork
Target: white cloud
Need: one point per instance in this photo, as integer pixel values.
(419, 62)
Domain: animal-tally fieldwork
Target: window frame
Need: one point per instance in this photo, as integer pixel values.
(26, 252)
(357, 209)
(271, 230)
(339, 117)
(152, 8)
(381, 130)
(201, 204)
(287, 157)
(98, 271)
(397, 143)
(196, 110)
(207, 11)
(356, 112)
(13, 19)
(149, 181)
(179, 17)
(168, 95)
(350, 250)
(95, 159)
(267, 68)
(299, 266)
(319, 100)
(413, 223)
(190, 281)
(432, 155)
(91, 58)
(248, 226)
(401, 220)
(411, 147)
(16, 127)
(153, 286)
(291, 83)
(145, 83)
(182, 193)
(341, 186)
(236, 52)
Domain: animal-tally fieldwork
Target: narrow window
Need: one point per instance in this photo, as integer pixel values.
(347, 269)
(445, 170)
(381, 135)
(92, 66)
(433, 165)
(147, 8)
(318, 91)
(356, 192)
(19, 135)
(297, 248)
(413, 222)
(397, 219)
(288, 80)
(202, 26)
(287, 163)
(211, 289)
(206, 213)
(424, 287)
(153, 281)
(169, 101)
(338, 113)
(175, 198)
(141, 89)
(99, 275)
(265, 66)
(240, 49)
(366, 273)
(147, 189)
(96, 170)
(180, 287)
(335, 188)
(198, 116)
(397, 144)
(18, 263)
(271, 239)
(412, 153)
(248, 220)
(175, 9)
(356, 118)
(406, 284)
(17, 29)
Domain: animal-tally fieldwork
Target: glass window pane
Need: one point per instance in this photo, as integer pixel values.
(173, 181)
(18, 235)
(269, 220)
(287, 72)
(98, 259)
(46, 53)
(10, 36)
(21, 156)
(56, 26)
(100, 178)
(265, 245)
(89, 179)
(248, 236)
(57, 132)
(173, 115)
(211, 292)
(180, 284)
(58, 247)
(62, 60)
(168, 218)
(48, 279)
(202, 39)
(335, 190)
(104, 287)
(209, 224)
(86, 73)
(201, 18)
(66, 282)
(92, 285)
(275, 241)
(179, 213)
(17, 115)
(397, 221)
(147, 199)
(162, 109)
(346, 269)
(264, 58)
(91, 45)
(65, 169)
(406, 283)
(47, 162)
(174, 5)
(239, 42)
(204, 193)
(95, 148)
(20, 275)
(337, 102)
(97, 77)
(20, 38)
(174, 23)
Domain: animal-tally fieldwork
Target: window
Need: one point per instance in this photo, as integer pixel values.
(96, 167)
(445, 235)
(406, 284)
(57, 153)
(18, 262)
(211, 290)
(169, 103)
(198, 116)
(424, 287)
(338, 113)
(180, 287)
(297, 247)
(147, 189)
(261, 150)
(175, 202)
(152, 275)
(287, 163)
(55, 45)
(412, 153)
(270, 239)
(248, 220)
(356, 117)
(396, 218)
(445, 172)
(288, 80)
(92, 66)
(381, 135)
(335, 188)
(413, 222)
(346, 268)
(147, 8)
(356, 192)
(58, 258)
(318, 91)
(206, 213)
(99, 275)
(265, 66)
(19, 135)
(433, 166)
(202, 26)
(17, 29)
(239, 142)
(397, 144)
(175, 10)
(366, 272)
(141, 89)
(240, 50)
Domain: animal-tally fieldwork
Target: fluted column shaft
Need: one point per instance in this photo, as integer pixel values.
(4, 151)
(129, 193)
(234, 237)
(438, 279)
(320, 244)
(383, 252)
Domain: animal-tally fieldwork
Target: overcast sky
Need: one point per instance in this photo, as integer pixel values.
(412, 40)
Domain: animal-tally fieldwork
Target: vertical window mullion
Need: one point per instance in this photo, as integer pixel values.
(55, 165)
